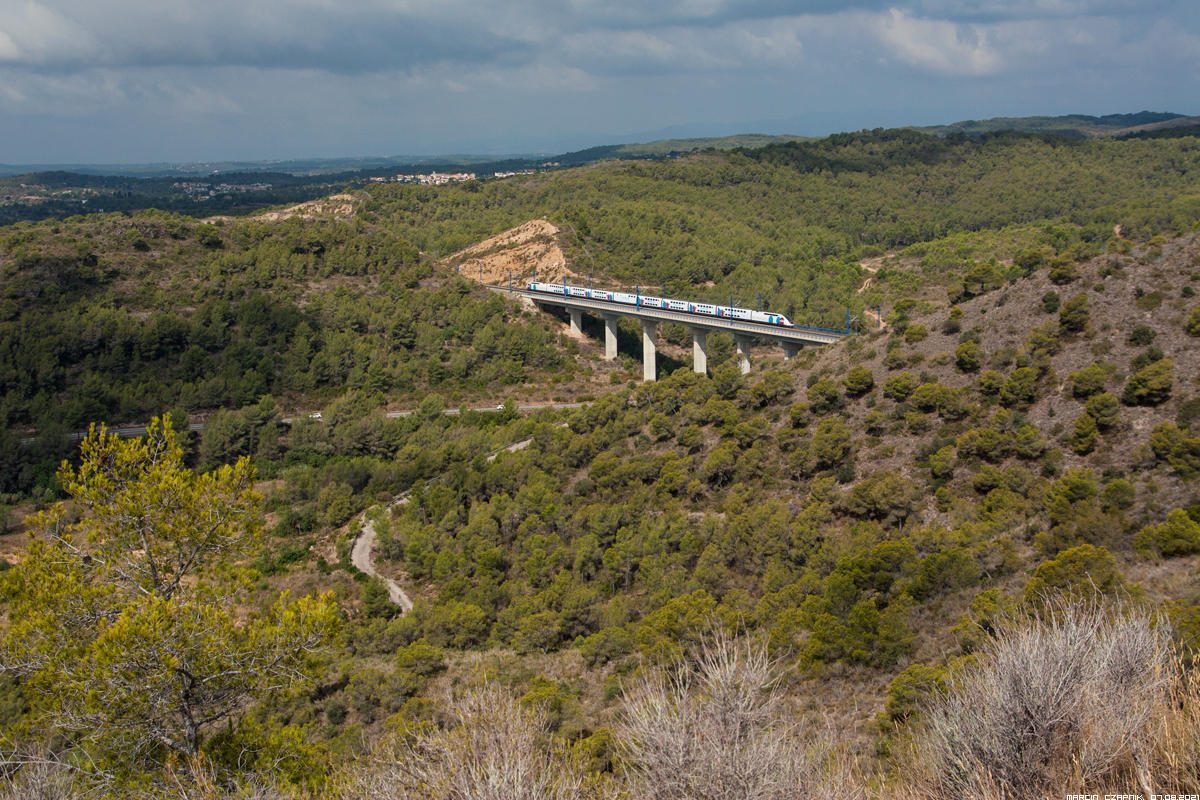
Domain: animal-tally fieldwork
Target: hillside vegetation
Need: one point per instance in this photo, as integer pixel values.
(863, 541)
(1080, 126)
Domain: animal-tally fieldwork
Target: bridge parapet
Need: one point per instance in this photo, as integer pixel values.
(791, 339)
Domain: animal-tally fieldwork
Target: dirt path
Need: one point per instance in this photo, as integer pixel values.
(360, 556)
(871, 265)
(360, 552)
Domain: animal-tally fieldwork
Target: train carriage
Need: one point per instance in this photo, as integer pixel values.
(665, 303)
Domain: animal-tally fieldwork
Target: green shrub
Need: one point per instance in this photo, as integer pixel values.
(984, 443)
(660, 427)
(1050, 302)
(1185, 457)
(1089, 380)
(690, 436)
(457, 624)
(1044, 338)
(1188, 413)
(978, 626)
(927, 396)
(421, 659)
(1084, 570)
(1074, 315)
(987, 479)
(798, 414)
(1141, 336)
(910, 691)
(917, 422)
(209, 236)
(1031, 259)
(859, 381)
(1105, 409)
(968, 356)
(941, 463)
(1146, 358)
(338, 502)
(1028, 443)
(895, 360)
(888, 497)
(1151, 385)
(824, 397)
(1178, 536)
(831, 443)
(1163, 439)
(1149, 301)
(1118, 495)
(945, 571)
(990, 383)
(899, 387)
(915, 333)
(865, 636)
(721, 464)
(1193, 322)
(607, 645)
(1085, 435)
(1020, 390)
(1063, 270)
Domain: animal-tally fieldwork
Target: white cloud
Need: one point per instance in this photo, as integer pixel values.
(938, 45)
(35, 34)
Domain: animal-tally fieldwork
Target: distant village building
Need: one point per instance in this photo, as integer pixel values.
(432, 179)
(203, 191)
(437, 179)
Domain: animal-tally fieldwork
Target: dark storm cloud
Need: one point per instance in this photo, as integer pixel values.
(405, 35)
(168, 76)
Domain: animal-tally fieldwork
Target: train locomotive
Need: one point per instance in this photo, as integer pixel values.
(664, 303)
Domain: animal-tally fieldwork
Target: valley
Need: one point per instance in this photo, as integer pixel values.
(1018, 425)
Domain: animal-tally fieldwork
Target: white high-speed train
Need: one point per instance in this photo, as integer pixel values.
(665, 303)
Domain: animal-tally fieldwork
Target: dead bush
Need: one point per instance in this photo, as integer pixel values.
(494, 749)
(1072, 700)
(38, 779)
(715, 730)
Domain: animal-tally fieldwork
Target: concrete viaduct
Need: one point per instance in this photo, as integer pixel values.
(792, 339)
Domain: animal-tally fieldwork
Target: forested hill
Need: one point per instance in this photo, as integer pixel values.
(113, 317)
(1079, 126)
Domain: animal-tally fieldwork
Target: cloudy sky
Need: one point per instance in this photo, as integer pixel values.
(120, 81)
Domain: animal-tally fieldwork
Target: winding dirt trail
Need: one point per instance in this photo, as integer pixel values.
(360, 557)
(364, 543)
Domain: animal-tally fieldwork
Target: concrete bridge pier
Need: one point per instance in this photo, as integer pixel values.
(576, 321)
(743, 352)
(700, 351)
(610, 336)
(649, 352)
(790, 351)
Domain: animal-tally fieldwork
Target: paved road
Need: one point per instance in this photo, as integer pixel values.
(135, 431)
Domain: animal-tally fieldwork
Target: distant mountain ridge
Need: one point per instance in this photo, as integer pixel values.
(665, 147)
(1076, 126)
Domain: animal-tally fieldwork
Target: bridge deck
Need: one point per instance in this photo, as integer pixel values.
(798, 335)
